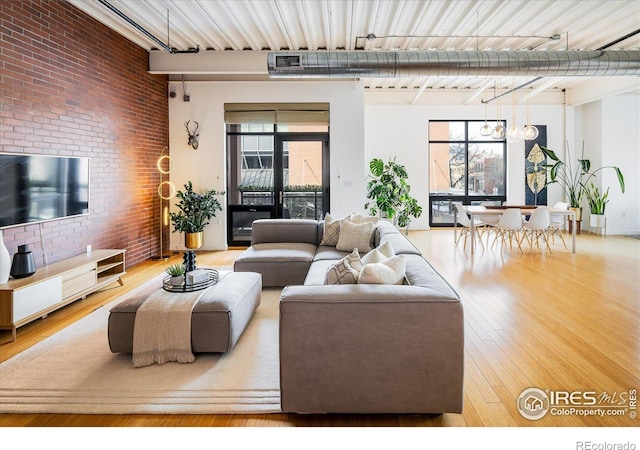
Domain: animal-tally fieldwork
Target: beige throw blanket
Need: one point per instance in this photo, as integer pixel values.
(162, 328)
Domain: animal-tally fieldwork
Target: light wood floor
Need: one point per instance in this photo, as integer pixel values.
(561, 321)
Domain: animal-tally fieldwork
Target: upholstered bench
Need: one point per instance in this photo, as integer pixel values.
(217, 321)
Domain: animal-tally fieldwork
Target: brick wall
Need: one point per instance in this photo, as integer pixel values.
(71, 86)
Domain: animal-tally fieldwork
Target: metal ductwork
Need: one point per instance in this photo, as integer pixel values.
(396, 64)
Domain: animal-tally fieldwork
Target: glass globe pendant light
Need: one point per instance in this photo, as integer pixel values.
(515, 133)
(498, 131)
(530, 132)
(485, 130)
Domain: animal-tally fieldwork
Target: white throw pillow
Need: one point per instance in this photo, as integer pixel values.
(331, 230)
(378, 254)
(361, 218)
(389, 271)
(345, 271)
(355, 235)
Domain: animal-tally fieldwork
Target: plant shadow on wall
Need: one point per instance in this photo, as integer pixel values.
(574, 181)
(390, 194)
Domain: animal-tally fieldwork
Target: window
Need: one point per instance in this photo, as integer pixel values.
(465, 167)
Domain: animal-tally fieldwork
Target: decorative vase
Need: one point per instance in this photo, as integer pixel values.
(24, 264)
(5, 262)
(193, 240)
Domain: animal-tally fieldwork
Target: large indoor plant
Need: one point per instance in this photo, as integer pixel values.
(389, 193)
(195, 212)
(574, 180)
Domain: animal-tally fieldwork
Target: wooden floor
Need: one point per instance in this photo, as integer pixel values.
(560, 322)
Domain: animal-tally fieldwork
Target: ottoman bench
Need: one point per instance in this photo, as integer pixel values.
(217, 321)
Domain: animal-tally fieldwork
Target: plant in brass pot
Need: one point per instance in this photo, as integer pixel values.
(574, 179)
(389, 193)
(195, 212)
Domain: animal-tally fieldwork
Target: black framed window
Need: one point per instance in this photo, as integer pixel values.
(465, 167)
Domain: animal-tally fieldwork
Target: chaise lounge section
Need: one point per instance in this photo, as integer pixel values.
(359, 348)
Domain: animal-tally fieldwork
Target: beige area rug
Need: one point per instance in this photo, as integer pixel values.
(74, 371)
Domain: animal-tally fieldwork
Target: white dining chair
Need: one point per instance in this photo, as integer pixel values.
(557, 222)
(465, 222)
(537, 227)
(489, 221)
(509, 227)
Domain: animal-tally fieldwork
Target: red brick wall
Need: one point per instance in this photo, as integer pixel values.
(71, 86)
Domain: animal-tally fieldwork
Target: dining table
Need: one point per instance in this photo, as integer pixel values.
(477, 211)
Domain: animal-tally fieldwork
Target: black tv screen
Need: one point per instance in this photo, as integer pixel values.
(36, 188)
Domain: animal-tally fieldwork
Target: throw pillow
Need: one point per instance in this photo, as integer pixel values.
(389, 271)
(355, 235)
(345, 271)
(378, 254)
(331, 230)
(361, 218)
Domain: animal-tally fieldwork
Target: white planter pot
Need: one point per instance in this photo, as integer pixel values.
(597, 221)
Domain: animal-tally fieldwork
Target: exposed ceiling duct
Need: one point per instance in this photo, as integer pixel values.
(396, 64)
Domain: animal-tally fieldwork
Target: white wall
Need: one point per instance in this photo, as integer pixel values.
(401, 130)
(206, 167)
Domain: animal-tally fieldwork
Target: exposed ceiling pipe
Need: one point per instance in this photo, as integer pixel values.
(383, 64)
(139, 27)
(610, 44)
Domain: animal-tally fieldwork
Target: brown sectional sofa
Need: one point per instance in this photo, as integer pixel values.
(359, 348)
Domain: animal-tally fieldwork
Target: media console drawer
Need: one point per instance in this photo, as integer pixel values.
(36, 297)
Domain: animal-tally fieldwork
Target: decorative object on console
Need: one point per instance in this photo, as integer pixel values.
(5, 261)
(24, 264)
(193, 135)
(390, 193)
(535, 173)
(196, 212)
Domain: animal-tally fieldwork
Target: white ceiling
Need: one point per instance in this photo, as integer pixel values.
(258, 25)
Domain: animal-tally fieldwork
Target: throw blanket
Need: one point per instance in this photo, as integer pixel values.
(162, 328)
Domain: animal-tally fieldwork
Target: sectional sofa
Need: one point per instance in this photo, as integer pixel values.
(359, 348)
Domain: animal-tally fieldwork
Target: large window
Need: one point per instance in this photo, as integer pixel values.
(465, 167)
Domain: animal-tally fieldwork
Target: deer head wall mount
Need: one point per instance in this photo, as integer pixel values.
(193, 135)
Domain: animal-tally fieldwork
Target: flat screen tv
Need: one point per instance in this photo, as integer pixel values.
(37, 188)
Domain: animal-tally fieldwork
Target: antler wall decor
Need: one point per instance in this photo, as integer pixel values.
(193, 135)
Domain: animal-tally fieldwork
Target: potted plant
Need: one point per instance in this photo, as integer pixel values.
(176, 271)
(389, 193)
(574, 180)
(196, 212)
(597, 202)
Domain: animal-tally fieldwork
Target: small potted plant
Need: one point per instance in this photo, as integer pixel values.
(196, 211)
(597, 203)
(176, 271)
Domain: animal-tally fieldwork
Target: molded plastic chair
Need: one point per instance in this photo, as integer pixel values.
(557, 223)
(537, 227)
(465, 221)
(509, 227)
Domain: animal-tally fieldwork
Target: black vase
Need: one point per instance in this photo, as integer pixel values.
(24, 264)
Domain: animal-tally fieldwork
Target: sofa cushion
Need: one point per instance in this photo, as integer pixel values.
(278, 252)
(389, 271)
(355, 235)
(401, 245)
(345, 271)
(325, 252)
(420, 273)
(317, 272)
(378, 254)
(284, 230)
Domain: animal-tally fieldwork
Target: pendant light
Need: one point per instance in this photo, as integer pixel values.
(499, 131)
(485, 130)
(515, 133)
(530, 132)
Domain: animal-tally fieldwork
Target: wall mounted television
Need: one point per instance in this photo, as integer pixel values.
(38, 188)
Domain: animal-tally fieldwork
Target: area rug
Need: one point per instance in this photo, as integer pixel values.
(74, 371)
